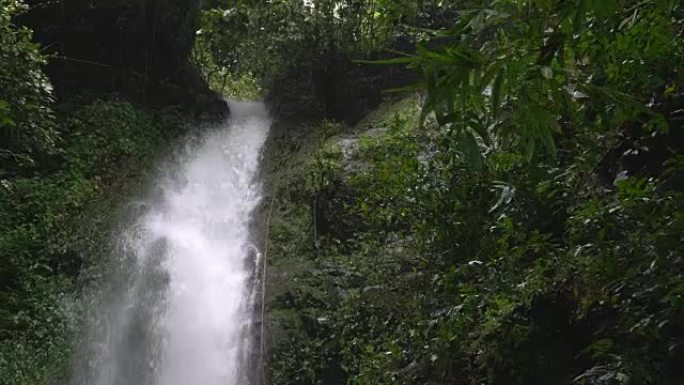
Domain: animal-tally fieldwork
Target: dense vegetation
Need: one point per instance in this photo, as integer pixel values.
(522, 224)
(66, 159)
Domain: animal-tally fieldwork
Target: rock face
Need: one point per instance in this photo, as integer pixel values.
(351, 91)
(339, 88)
(139, 49)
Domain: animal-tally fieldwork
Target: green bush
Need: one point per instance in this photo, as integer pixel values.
(513, 272)
(51, 224)
(26, 122)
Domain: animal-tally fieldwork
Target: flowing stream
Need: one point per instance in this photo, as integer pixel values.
(181, 306)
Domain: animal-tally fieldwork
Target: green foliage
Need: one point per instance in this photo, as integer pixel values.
(26, 121)
(515, 76)
(64, 167)
(268, 40)
(50, 231)
(524, 227)
(518, 236)
(215, 55)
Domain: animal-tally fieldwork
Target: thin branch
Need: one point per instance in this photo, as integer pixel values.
(80, 60)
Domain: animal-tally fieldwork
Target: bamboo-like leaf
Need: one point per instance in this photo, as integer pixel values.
(578, 22)
(478, 127)
(529, 149)
(470, 149)
(409, 88)
(400, 53)
(395, 60)
(448, 56)
(545, 125)
(505, 197)
(497, 94)
(546, 136)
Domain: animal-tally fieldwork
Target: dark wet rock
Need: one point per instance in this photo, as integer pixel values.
(137, 49)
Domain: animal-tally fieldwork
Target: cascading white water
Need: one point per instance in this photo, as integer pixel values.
(186, 301)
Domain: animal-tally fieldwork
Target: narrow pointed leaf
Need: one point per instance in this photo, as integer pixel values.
(497, 94)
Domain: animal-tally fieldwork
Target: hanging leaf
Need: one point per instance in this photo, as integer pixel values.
(505, 197)
(396, 60)
(497, 93)
(580, 16)
(539, 127)
(470, 149)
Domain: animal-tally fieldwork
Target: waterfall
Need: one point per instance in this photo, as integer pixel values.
(181, 305)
